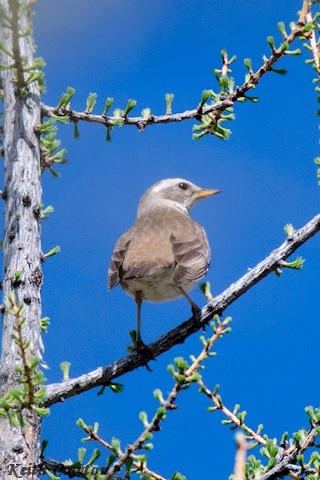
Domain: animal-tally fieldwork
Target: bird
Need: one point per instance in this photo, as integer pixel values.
(165, 253)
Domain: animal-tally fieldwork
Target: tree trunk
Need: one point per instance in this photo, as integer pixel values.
(21, 247)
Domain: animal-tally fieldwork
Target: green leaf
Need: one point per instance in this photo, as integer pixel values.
(81, 423)
(280, 71)
(297, 264)
(44, 444)
(146, 112)
(206, 94)
(51, 475)
(65, 368)
(41, 411)
(130, 105)
(95, 455)
(115, 443)
(169, 100)
(81, 454)
(91, 101)
(270, 41)
(53, 251)
(76, 133)
(66, 97)
(5, 49)
(181, 364)
(248, 64)
(109, 102)
(116, 387)
(289, 229)
(178, 476)
(161, 413)
(144, 419)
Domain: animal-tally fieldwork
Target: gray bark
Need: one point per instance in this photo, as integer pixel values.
(21, 249)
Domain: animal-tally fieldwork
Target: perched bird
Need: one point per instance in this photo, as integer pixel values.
(165, 253)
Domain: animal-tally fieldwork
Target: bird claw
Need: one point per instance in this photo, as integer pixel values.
(196, 311)
(145, 351)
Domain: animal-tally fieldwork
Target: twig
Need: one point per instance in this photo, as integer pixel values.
(304, 11)
(135, 121)
(183, 376)
(69, 471)
(214, 398)
(103, 375)
(137, 465)
(218, 108)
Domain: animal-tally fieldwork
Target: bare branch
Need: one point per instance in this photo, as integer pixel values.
(103, 375)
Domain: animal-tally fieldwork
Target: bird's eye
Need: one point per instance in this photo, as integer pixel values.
(183, 186)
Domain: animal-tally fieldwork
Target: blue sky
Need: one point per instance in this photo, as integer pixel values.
(143, 50)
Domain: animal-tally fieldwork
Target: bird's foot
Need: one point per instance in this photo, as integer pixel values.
(139, 346)
(196, 313)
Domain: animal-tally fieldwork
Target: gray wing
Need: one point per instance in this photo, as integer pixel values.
(192, 255)
(117, 258)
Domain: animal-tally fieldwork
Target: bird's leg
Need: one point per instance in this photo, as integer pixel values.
(194, 307)
(140, 345)
(138, 299)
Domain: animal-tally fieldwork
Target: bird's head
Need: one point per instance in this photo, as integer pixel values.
(175, 192)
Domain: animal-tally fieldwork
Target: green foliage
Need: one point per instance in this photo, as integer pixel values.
(178, 476)
(65, 98)
(91, 101)
(146, 112)
(44, 324)
(30, 393)
(65, 368)
(130, 105)
(289, 229)
(108, 103)
(53, 251)
(169, 100)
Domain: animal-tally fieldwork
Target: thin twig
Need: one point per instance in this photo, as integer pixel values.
(104, 375)
(137, 465)
(215, 399)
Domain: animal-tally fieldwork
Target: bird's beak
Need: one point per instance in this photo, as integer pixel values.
(207, 193)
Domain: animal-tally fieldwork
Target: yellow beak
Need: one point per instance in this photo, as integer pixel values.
(207, 193)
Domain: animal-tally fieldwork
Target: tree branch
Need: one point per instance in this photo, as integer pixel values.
(218, 108)
(286, 463)
(58, 392)
(139, 122)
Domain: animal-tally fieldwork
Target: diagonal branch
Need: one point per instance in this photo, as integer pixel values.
(58, 392)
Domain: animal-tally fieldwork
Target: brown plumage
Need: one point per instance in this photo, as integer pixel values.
(165, 253)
